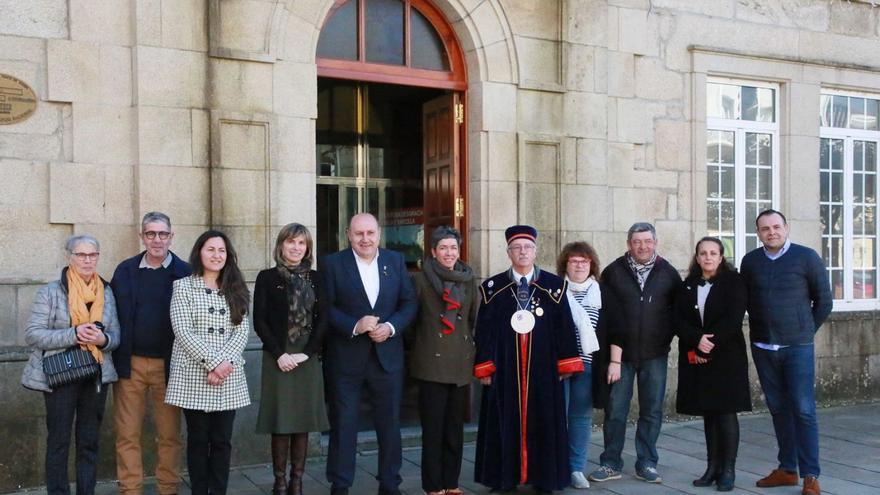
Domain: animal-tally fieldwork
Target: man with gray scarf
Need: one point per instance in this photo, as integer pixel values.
(645, 284)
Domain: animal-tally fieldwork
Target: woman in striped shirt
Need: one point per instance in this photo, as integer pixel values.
(589, 302)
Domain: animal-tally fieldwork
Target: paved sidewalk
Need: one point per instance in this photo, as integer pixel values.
(850, 456)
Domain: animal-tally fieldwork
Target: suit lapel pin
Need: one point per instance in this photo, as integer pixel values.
(385, 271)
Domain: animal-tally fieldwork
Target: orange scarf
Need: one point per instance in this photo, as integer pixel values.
(79, 294)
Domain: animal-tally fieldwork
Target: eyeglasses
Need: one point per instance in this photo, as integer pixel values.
(150, 234)
(523, 247)
(579, 262)
(86, 256)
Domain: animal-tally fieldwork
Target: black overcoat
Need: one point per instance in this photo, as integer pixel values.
(722, 384)
(270, 313)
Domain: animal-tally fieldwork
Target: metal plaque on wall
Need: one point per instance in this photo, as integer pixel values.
(17, 100)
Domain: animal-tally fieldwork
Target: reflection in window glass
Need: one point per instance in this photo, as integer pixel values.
(339, 36)
(384, 31)
(839, 112)
(825, 111)
(728, 101)
(426, 47)
(872, 109)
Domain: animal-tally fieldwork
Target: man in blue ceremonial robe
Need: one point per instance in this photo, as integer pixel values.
(526, 346)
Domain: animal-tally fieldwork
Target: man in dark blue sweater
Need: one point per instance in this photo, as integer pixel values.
(789, 299)
(142, 286)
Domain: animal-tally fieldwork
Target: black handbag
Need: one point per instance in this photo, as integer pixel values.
(71, 366)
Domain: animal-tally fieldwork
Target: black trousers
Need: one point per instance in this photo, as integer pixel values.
(76, 406)
(441, 408)
(208, 450)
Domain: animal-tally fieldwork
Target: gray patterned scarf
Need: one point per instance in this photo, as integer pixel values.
(641, 270)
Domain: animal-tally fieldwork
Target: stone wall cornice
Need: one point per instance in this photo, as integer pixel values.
(782, 58)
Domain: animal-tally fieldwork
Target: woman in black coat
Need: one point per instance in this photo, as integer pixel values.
(713, 377)
(288, 317)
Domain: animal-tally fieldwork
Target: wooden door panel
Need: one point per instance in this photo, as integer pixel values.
(441, 163)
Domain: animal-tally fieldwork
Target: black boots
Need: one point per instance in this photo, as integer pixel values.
(710, 429)
(280, 447)
(722, 444)
(299, 447)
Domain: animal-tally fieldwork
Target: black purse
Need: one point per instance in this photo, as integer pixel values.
(71, 366)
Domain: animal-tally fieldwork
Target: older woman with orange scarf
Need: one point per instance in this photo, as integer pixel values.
(73, 316)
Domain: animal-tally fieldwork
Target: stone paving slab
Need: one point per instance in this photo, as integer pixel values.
(849, 450)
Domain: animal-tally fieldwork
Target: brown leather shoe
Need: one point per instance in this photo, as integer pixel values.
(778, 477)
(811, 486)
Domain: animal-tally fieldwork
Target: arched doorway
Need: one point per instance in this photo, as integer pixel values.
(390, 136)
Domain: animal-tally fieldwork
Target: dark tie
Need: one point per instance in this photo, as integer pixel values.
(522, 292)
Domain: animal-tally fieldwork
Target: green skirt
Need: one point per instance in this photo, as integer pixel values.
(292, 402)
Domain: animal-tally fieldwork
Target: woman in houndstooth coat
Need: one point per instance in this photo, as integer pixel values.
(207, 380)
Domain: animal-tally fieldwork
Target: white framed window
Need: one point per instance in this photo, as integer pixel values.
(742, 159)
(849, 138)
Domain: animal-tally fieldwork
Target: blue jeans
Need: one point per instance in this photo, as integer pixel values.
(651, 375)
(788, 378)
(579, 402)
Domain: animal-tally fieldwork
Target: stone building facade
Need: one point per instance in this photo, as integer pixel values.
(579, 116)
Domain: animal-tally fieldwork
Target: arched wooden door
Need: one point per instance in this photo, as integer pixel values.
(410, 44)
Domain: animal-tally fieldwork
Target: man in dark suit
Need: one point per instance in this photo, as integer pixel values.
(370, 300)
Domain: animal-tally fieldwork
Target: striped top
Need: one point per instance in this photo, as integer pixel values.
(592, 312)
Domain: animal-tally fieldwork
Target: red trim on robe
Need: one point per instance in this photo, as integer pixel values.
(483, 370)
(524, 406)
(570, 365)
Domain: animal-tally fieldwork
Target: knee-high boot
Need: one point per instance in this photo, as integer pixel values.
(728, 439)
(713, 460)
(299, 447)
(280, 447)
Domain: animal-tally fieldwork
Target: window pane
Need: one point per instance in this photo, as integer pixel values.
(751, 183)
(712, 146)
(837, 220)
(824, 212)
(727, 216)
(751, 148)
(765, 150)
(426, 47)
(837, 284)
(837, 154)
(751, 213)
(857, 113)
(836, 187)
(725, 140)
(749, 103)
(729, 249)
(727, 182)
(336, 129)
(824, 183)
(858, 155)
(825, 111)
(870, 156)
(339, 36)
(858, 220)
(765, 184)
(712, 182)
(871, 189)
(384, 37)
(766, 105)
(858, 184)
(872, 109)
(839, 116)
(729, 101)
(713, 221)
(836, 252)
(870, 220)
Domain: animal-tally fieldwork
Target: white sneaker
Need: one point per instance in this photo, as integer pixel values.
(578, 480)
